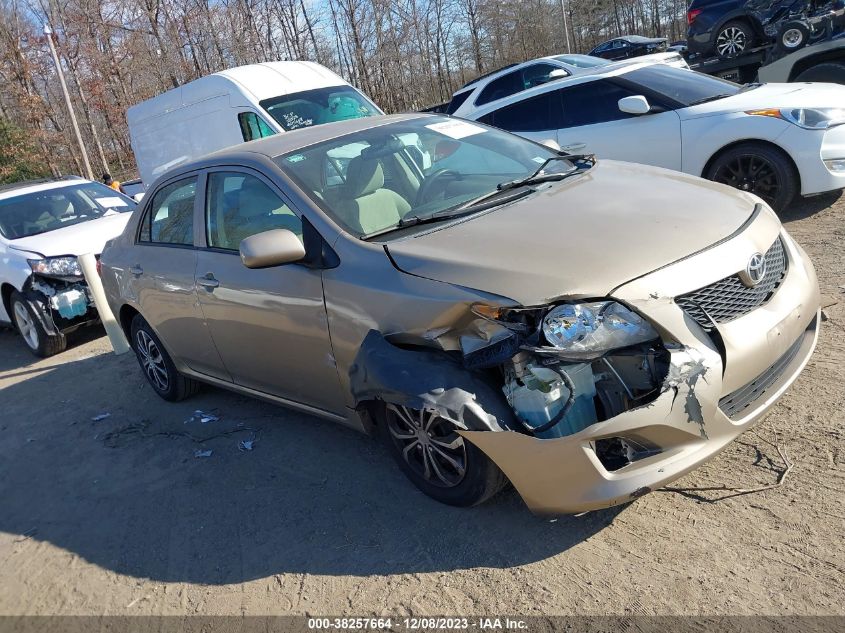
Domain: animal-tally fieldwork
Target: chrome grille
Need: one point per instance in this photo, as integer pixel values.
(729, 298)
(733, 404)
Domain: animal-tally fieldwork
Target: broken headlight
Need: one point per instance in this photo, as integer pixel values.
(67, 266)
(596, 326)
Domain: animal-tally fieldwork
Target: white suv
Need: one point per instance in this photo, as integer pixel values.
(44, 226)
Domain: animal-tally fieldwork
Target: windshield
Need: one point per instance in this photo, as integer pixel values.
(683, 86)
(50, 209)
(322, 105)
(582, 61)
(373, 180)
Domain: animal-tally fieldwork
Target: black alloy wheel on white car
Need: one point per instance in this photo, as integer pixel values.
(759, 169)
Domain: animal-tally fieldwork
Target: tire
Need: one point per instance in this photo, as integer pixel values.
(32, 333)
(733, 39)
(760, 169)
(157, 365)
(414, 436)
(830, 72)
(793, 36)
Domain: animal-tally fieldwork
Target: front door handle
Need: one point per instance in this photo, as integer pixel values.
(136, 270)
(574, 147)
(208, 282)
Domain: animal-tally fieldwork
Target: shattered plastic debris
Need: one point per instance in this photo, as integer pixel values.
(246, 445)
(687, 374)
(100, 417)
(201, 453)
(202, 417)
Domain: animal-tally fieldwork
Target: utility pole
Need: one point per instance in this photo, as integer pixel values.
(49, 33)
(565, 27)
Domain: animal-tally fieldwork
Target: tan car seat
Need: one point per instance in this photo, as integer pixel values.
(368, 206)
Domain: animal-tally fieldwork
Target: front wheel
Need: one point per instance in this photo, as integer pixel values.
(759, 169)
(33, 334)
(438, 460)
(157, 365)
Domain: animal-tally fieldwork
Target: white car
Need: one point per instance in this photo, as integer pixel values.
(774, 140)
(44, 226)
(518, 77)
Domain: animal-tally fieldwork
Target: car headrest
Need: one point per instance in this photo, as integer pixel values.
(364, 176)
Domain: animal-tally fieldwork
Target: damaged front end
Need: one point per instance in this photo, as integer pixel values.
(528, 384)
(59, 296)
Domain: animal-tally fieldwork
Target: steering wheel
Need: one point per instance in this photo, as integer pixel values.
(428, 186)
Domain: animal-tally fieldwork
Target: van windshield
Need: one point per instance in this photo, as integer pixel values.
(321, 105)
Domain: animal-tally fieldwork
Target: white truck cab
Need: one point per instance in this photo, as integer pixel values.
(237, 105)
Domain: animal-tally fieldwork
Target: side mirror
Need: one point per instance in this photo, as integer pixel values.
(558, 73)
(551, 144)
(271, 248)
(636, 104)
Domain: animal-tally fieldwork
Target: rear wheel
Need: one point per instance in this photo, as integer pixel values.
(438, 460)
(33, 334)
(759, 169)
(734, 39)
(157, 365)
(830, 72)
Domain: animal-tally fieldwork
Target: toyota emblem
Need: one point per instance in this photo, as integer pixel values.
(754, 271)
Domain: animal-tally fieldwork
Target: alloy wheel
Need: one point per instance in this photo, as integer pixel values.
(751, 173)
(25, 325)
(429, 445)
(792, 38)
(731, 42)
(152, 360)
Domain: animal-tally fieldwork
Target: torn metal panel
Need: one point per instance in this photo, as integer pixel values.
(687, 367)
(430, 380)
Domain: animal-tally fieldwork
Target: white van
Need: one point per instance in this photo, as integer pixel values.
(237, 105)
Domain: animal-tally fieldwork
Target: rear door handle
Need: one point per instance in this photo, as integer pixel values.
(208, 282)
(574, 147)
(136, 270)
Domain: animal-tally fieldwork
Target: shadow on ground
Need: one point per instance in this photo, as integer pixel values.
(805, 207)
(312, 497)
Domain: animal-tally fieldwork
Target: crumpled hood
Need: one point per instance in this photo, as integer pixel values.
(583, 236)
(85, 237)
(800, 95)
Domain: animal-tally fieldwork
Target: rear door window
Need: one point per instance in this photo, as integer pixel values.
(535, 114)
(515, 81)
(170, 217)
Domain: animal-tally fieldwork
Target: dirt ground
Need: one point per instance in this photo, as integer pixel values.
(318, 520)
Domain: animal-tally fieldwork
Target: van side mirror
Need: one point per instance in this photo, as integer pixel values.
(636, 104)
(271, 248)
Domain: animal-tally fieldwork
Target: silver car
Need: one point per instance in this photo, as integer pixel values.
(499, 311)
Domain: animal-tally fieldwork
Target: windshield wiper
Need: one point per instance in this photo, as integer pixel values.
(535, 177)
(709, 99)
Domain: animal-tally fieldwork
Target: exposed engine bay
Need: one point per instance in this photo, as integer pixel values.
(62, 304)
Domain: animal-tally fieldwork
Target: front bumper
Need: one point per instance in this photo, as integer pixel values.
(809, 150)
(764, 351)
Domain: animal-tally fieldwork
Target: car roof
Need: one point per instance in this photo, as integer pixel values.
(31, 186)
(285, 142)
